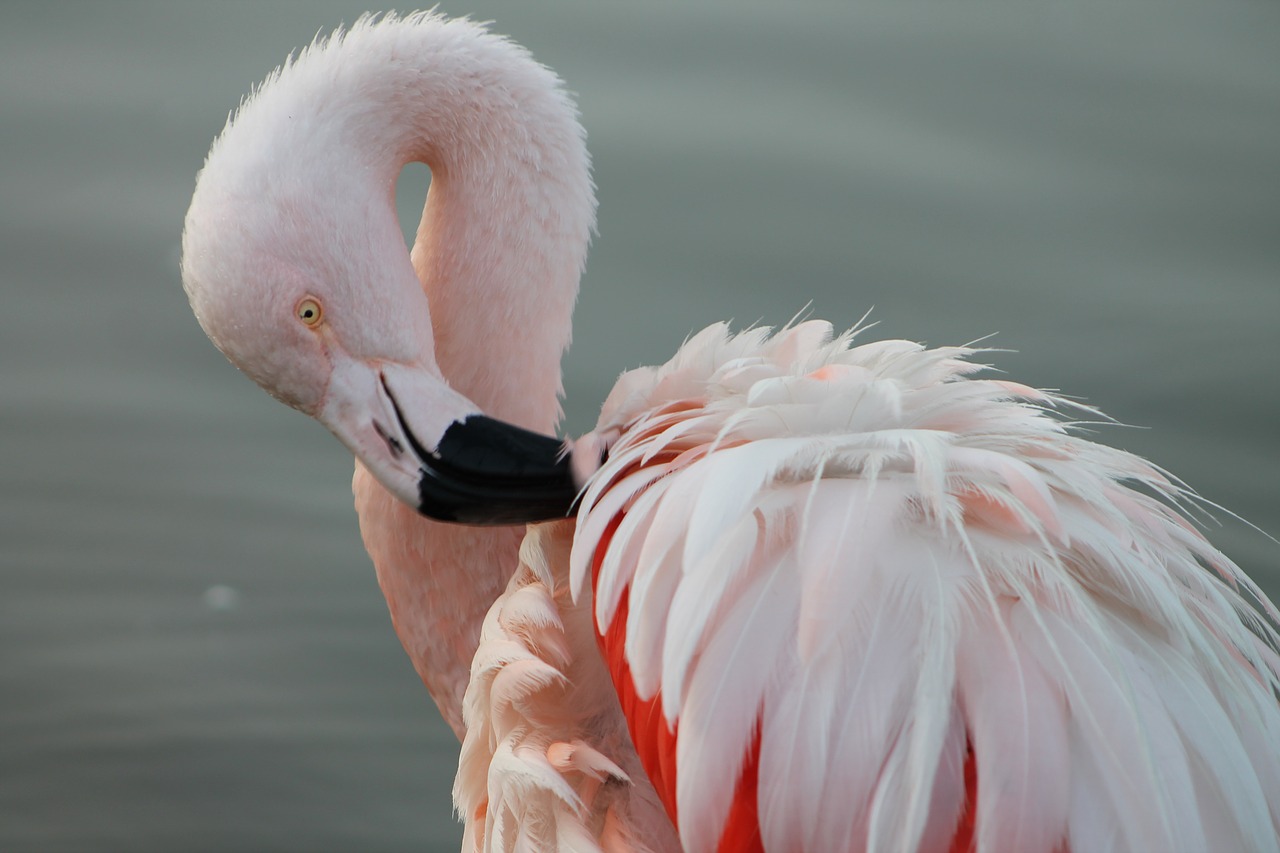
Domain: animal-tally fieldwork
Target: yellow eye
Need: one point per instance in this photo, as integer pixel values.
(309, 311)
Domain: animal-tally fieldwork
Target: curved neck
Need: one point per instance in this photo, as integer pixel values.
(504, 231)
(499, 252)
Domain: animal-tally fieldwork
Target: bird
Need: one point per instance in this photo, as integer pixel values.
(796, 591)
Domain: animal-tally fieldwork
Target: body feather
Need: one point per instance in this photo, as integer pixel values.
(873, 567)
(546, 764)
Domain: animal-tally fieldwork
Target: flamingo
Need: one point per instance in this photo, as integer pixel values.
(795, 592)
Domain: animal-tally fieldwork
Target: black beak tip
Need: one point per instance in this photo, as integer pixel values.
(488, 472)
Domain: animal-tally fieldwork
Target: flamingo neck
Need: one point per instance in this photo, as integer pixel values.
(504, 231)
(499, 252)
(439, 581)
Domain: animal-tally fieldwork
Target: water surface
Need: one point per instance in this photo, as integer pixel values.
(1096, 183)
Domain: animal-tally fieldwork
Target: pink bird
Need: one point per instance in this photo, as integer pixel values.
(794, 593)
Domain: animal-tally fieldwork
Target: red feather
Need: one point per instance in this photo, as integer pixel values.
(962, 841)
(742, 828)
(655, 742)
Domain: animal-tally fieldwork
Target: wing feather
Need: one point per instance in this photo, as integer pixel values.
(722, 707)
(881, 587)
(1017, 719)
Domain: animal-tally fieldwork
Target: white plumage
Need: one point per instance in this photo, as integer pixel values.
(879, 553)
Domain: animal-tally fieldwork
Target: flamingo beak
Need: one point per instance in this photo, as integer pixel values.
(486, 471)
(432, 449)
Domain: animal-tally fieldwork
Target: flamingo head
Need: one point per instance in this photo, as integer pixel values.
(310, 292)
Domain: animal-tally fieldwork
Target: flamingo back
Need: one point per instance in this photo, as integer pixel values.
(858, 598)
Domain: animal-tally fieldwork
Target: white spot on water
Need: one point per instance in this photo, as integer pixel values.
(221, 597)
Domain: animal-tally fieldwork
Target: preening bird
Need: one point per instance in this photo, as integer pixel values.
(795, 592)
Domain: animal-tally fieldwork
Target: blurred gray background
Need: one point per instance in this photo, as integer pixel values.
(194, 654)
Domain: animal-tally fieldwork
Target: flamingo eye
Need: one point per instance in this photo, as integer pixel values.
(309, 311)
